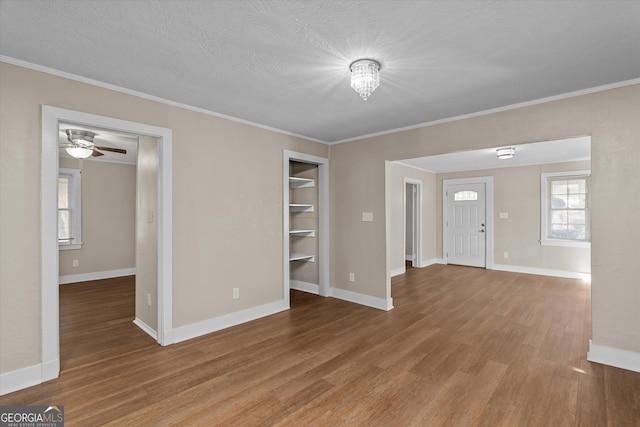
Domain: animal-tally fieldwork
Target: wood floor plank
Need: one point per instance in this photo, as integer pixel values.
(462, 347)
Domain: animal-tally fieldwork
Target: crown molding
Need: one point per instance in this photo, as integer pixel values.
(143, 95)
(75, 77)
(496, 110)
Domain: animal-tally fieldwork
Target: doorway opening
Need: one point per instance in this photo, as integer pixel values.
(107, 267)
(52, 117)
(305, 224)
(412, 222)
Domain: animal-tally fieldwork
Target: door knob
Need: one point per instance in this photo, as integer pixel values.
(481, 231)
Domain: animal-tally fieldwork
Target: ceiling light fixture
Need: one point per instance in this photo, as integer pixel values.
(82, 143)
(506, 153)
(365, 77)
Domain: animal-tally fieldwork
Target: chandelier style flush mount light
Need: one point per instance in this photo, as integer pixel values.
(365, 76)
(81, 143)
(506, 153)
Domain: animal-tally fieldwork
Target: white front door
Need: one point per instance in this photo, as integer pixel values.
(466, 225)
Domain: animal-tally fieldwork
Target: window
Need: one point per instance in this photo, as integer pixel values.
(69, 209)
(465, 195)
(565, 209)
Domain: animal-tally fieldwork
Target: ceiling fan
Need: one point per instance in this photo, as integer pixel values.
(81, 145)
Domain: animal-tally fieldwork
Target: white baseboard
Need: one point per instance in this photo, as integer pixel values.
(98, 275)
(146, 328)
(398, 271)
(542, 271)
(424, 263)
(20, 379)
(368, 300)
(408, 258)
(299, 285)
(432, 261)
(50, 369)
(193, 330)
(214, 324)
(613, 357)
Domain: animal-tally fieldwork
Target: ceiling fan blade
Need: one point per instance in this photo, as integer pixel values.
(113, 150)
(96, 153)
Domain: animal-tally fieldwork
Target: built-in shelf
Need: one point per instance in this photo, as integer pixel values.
(305, 186)
(295, 182)
(294, 256)
(300, 207)
(303, 233)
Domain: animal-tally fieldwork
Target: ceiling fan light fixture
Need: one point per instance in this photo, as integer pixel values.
(506, 153)
(79, 152)
(82, 143)
(365, 76)
(84, 137)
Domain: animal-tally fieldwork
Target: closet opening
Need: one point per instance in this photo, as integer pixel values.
(305, 224)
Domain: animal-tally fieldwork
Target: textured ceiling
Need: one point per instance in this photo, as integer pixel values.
(284, 64)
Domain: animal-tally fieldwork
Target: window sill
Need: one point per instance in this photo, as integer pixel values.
(70, 247)
(565, 243)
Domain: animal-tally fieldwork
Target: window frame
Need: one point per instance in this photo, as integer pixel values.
(75, 207)
(545, 179)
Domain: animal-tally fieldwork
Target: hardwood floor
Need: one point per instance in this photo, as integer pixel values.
(462, 347)
(95, 322)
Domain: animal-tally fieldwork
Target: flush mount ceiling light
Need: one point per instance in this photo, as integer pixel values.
(365, 77)
(81, 143)
(506, 153)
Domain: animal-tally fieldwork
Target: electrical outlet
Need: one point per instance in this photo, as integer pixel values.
(505, 255)
(352, 277)
(149, 300)
(236, 293)
(76, 263)
(367, 216)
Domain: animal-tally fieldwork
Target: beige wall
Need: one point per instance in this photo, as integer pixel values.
(227, 204)
(609, 117)
(517, 192)
(147, 232)
(108, 218)
(357, 185)
(395, 207)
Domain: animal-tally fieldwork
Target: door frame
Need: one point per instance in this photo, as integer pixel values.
(417, 220)
(50, 309)
(488, 182)
(323, 221)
